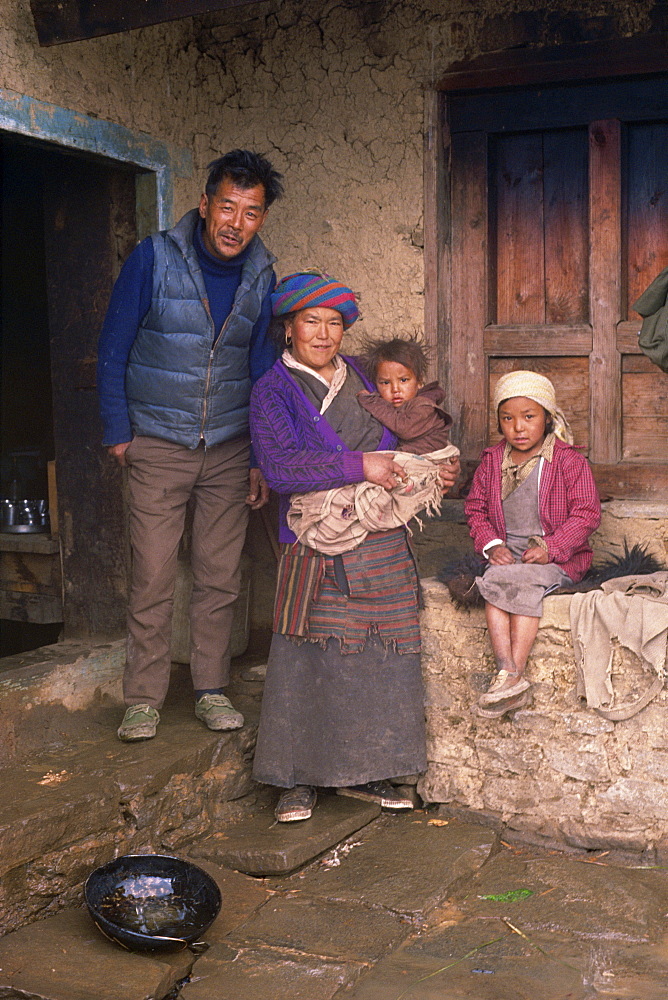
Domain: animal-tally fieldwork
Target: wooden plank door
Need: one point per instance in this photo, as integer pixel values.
(556, 229)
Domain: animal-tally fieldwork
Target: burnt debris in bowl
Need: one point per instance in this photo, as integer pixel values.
(152, 902)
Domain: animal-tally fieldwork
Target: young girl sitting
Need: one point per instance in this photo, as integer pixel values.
(531, 509)
(402, 402)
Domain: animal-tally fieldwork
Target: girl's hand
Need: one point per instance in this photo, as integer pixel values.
(382, 470)
(500, 555)
(535, 555)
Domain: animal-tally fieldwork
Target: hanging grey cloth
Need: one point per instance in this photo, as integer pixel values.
(653, 307)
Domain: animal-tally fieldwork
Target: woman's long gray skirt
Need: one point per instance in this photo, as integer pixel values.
(333, 720)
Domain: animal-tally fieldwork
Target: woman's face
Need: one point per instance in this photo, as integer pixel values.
(316, 336)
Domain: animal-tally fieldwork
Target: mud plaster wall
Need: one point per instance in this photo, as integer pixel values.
(332, 91)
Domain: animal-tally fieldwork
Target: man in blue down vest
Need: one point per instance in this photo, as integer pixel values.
(184, 338)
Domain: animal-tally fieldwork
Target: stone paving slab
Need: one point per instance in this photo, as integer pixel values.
(332, 930)
(584, 899)
(67, 958)
(513, 972)
(226, 973)
(241, 896)
(406, 863)
(260, 846)
(487, 960)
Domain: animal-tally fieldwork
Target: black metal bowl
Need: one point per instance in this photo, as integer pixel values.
(152, 902)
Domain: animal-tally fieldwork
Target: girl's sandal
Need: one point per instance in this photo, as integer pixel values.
(497, 690)
(519, 701)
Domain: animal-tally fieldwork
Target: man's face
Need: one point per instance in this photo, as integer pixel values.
(232, 217)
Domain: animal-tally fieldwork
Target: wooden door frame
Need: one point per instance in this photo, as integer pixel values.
(65, 130)
(516, 71)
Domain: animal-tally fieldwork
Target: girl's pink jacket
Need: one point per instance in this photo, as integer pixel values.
(569, 506)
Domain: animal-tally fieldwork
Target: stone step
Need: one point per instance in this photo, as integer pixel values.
(86, 797)
(261, 846)
(72, 673)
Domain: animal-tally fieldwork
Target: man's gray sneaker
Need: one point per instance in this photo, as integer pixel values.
(139, 723)
(217, 712)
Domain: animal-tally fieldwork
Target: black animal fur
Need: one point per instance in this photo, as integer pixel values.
(459, 575)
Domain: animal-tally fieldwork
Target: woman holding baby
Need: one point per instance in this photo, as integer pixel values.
(343, 704)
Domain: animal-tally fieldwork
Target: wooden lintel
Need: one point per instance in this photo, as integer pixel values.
(643, 54)
(58, 21)
(624, 481)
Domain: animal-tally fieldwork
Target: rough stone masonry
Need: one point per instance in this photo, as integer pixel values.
(557, 771)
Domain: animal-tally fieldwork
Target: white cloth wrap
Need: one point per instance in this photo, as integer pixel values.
(338, 520)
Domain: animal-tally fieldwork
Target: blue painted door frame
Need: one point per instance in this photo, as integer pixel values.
(73, 130)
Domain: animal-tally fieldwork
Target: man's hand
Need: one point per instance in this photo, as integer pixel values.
(118, 451)
(500, 555)
(449, 473)
(258, 493)
(535, 554)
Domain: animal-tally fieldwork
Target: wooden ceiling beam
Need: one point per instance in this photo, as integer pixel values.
(59, 21)
(531, 66)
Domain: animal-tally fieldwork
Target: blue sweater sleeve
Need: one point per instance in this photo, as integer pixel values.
(262, 351)
(130, 301)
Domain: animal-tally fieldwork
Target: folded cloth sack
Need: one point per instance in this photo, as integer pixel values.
(335, 521)
(634, 610)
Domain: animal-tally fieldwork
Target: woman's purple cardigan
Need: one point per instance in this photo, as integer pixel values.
(297, 450)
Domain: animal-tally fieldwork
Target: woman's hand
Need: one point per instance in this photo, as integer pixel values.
(449, 473)
(382, 470)
(535, 554)
(500, 555)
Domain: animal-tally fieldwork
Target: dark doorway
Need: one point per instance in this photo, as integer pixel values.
(27, 415)
(68, 223)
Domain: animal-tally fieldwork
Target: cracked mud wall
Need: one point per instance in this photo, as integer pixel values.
(332, 91)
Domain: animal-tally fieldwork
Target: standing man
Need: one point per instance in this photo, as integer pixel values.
(184, 338)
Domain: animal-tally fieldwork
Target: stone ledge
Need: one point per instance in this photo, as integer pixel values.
(556, 771)
(67, 811)
(72, 673)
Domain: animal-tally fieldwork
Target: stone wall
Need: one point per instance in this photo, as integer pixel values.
(633, 523)
(555, 772)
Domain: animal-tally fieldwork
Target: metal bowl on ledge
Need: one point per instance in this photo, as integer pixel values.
(152, 902)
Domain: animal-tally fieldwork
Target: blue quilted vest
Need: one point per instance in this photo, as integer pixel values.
(179, 387)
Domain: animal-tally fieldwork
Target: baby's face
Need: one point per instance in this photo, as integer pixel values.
(396, 383)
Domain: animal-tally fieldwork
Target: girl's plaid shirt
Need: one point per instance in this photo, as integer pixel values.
(569, 506)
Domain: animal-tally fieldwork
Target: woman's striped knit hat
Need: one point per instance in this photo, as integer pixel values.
(314, 288)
